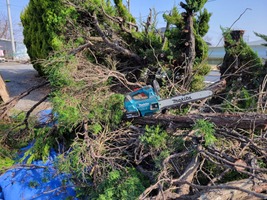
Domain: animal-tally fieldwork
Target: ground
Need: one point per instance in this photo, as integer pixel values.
(19, 78)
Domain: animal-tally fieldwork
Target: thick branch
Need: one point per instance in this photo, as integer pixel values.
(237, 120)
(12, 102)
(80, 48)
(117, 47)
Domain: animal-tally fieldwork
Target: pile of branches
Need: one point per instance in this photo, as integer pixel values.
(234, 167)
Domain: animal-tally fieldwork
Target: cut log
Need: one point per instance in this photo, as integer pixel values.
(3, 91)
(246, 189)
(237, 120)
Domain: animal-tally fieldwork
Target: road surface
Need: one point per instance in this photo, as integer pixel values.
(213, 76)
(21, 77)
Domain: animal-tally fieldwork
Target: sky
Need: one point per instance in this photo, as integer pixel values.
(224, 14)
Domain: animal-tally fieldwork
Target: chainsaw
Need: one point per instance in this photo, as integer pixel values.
(146, 100)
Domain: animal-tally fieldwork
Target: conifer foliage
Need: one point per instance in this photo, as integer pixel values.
(92, 52)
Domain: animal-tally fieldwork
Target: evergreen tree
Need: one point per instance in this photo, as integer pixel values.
(262, 36)
(43, 23)
(187, 47)
(243, 71)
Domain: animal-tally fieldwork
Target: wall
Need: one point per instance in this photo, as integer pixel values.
(216, 54)
(7, 47)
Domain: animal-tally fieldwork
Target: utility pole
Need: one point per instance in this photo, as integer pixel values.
(11, 28)
(128, 5)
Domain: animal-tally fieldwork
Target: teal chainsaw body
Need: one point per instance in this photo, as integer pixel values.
(146, 101)
(141, 102)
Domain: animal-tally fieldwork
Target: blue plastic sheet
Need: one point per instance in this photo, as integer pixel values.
(38, 181)
(47, 118)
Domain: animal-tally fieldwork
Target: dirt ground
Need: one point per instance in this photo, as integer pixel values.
(21, 77)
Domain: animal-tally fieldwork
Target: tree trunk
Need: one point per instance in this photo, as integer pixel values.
(231, 62)
(190, 47)
(254, 186)
(237, 120)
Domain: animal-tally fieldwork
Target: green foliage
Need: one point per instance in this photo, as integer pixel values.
(70, 163)
(41, 146)
(123, 12)
(201, 53)
(261, 163)
(12, 138)
(212, 169)
(154, 136)
(59, 69)
(160, 158)
(120, 185)
(177, 37)
(197, 83)
(43, 28)
(247, 60)
(6, 159)
(106, 111)
(67, 109)
(203, 22)
(33, 184)
(175, 18)
(248, 70)
(241, 100)
(262, 36)
(205, 129)
(247, 100)
(194, 5)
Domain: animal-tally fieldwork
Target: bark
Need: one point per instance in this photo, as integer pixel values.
(190, 47)
(242, 189)
(190, 42)
(188, 175)
(112, 45)
(237, 120)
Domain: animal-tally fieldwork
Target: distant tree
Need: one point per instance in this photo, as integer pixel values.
(262, 36)
(3, 27)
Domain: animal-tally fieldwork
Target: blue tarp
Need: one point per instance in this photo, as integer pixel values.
(38, 181)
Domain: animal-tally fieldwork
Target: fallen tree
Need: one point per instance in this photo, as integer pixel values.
(181, 157)
(235, 120)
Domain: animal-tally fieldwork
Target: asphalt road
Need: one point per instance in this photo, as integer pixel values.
(21, 77)
(213, 76)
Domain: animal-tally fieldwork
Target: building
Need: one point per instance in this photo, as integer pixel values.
(6, 47)
(21, 50)
(216, 54)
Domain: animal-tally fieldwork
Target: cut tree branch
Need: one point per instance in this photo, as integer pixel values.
(237, 120)
(12, 102)
(114, 46)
